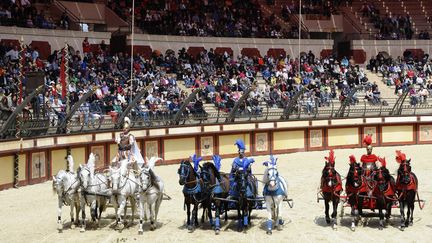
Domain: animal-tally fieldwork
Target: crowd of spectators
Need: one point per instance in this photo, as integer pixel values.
(110, 73)
(407, 73)
(391, 27)
(224, 18)
(23, 14)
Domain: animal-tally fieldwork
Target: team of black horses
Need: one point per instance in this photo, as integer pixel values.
(374, 190)
(203, 185)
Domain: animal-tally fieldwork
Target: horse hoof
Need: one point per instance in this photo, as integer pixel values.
(411, 223)
(402, 228)
(352, 229)
(380, 228)
(82, 230)
(190, 229)
(152, 227)
(73, 226)
(60, 227)
(269, 232)
(334, 227)
(140, 232)
(217, 232)
(120, 226)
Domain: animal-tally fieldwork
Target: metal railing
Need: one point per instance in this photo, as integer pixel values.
(99, 120)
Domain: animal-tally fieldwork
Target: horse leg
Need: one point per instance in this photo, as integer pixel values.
(269, 204)
(141, 207)
(410, 214)
(209, 213)
(381, 216)
(152, 208)
(77, 210)
(83, 216)
(278, 212)
(59, 211)
(93, 210)
(189, 225)
(102, 207)
(133, 206)
(218, 206)
(72, 206)
(334, 214)
(122, 206)
(239, 218)
(195, 214)
(327, 206)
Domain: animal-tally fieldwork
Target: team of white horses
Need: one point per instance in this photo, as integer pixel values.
(121, 184)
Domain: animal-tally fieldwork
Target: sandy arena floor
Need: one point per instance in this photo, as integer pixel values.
(29, 214)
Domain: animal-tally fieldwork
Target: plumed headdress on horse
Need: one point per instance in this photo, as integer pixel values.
(272, 161)
(71, 163)
(382, 161)
(352, 159)
(91, 164)
(195, 159)
(241, 146)
(331, 158)
(400, 157)
(247, 162)
(217, 161)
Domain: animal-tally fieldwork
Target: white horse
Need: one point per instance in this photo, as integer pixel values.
(93, 186)
(151, 193)
(124, 186)
(275, 191)
(66, 185)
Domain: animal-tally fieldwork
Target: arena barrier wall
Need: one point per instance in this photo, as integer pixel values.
(393, 48)
(40, 158)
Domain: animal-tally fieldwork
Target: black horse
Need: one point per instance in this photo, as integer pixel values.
(383, 193)
(246, 190)
(356, 189)
(218, 187)
(331, 187)
(406, 188)
(192, 191)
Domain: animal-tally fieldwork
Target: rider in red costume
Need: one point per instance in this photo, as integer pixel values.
(368, 160)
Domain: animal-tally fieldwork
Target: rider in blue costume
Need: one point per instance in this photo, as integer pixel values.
(238, 163)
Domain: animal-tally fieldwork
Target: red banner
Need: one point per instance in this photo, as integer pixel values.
(63, 75)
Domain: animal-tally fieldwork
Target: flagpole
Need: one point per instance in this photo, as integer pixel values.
(21, 62)
(132, 50)
(66, 77)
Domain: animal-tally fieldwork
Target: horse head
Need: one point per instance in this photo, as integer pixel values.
(185, 172)
(83, 175)
(354, 177)
(329, 174)
(404, 172)
(58, 182)
(271, 174)
(382, 177)
(114, 176)
(145, 179)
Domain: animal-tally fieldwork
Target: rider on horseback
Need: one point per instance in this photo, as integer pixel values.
(127, 146)
(368, 160)
(237, 164)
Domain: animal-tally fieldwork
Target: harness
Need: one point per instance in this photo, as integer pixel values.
(279, 189)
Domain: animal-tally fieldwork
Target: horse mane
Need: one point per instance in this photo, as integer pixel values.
(154, 179)
(123, 166)
(212, 167)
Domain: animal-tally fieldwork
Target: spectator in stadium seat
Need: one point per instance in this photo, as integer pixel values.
(86, 46)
